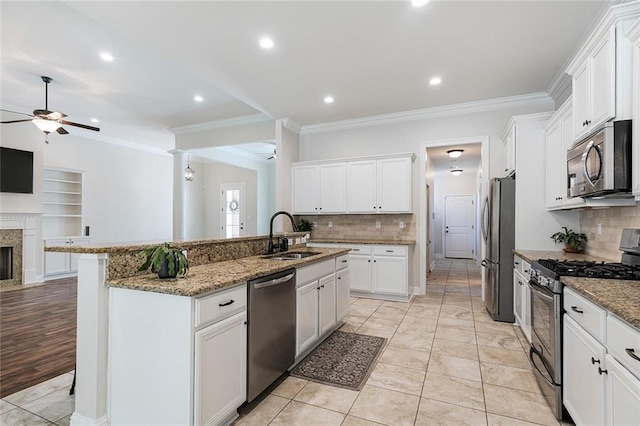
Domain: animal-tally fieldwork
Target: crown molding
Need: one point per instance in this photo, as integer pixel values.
(559, 84)
(217, 124)
(121, 142)
(634, 33)
(540, 98)
(291, 125)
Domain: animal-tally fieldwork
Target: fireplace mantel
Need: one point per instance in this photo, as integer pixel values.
(32, 251)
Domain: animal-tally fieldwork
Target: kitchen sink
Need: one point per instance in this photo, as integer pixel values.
(290, 255)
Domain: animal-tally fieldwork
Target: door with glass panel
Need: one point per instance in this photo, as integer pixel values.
(232, 214)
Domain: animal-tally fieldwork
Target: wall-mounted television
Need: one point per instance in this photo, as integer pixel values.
(16, 171)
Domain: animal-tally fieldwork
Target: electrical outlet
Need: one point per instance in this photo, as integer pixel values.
(599, 229)
(315, 224)
(377, 225)
(401, 224)
(330, 224)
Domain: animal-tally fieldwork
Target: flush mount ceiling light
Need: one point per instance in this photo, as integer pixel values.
(189, 173)
(419, 3)
(456, 172)
(198, 98)
(435, 81)
(455, 153)
(328, 99)
(106, 56)
(266, 43)
(46, 126)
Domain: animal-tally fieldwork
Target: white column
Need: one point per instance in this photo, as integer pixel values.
(179, 193)
(92, 341)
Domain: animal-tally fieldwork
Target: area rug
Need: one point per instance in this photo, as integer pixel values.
(343, 360)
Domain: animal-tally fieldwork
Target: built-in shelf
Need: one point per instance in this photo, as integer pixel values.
(61, 203)
(61, 215)
(60, 180)
(61, 192)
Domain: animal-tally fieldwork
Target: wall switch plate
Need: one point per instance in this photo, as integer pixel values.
(599, 229)
(315, 224)
(377, 225)
(330, 224)
(401, 224)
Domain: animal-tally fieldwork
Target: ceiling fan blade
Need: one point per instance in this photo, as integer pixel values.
(41, 112)
(82, 126)
(16, 112)
(14, 121)
(62, 131)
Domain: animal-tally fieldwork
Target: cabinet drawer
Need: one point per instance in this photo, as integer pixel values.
(314, 271)
(623, 341)
(390, 251)
(342, 262)
(359, 249)
(590, 316)
(220, 305)
(521, 265)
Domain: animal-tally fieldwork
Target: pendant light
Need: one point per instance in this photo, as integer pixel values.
(455, 153)
(456, 172)
(189, 173)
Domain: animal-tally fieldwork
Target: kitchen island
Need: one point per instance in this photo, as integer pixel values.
(116, 304)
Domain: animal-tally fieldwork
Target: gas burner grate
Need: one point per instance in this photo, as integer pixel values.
(589, 269)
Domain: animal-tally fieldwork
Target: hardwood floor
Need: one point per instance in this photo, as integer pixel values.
(37, 334)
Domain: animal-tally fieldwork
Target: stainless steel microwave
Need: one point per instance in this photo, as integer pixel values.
(600, 165)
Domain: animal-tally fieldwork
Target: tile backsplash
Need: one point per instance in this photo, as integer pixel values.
(363, 226)
(612, 221)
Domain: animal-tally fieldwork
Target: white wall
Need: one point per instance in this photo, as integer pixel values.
(446, 184)
(288, 147)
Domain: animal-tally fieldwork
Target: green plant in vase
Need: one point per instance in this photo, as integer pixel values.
(168, 261)
(573, 241)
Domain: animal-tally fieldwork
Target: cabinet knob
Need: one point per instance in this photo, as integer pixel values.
(575, 309)
(601, 371)
(595, 361)
(589, 122)
(506, 170)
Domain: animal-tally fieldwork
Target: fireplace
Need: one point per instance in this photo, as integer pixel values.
(6, 263)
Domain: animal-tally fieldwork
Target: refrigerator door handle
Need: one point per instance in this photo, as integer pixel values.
(485, 221)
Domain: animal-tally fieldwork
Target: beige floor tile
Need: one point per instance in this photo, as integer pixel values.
(433, 412)
(495, 327)
(329, 397)
(391, 311)
(420, 319)
(455, 322)
(25, 396)
(370, 331)
(456, 303)
(458, 313)
(502, 356)
(289, 387)
(381, 324)
(297, 413)
(348, 328)
(262, 414)
(65, 421)
(363, 301)
(18, 416)
(424, 310)
(355, 319)
(412, 325)
(403, 357)
(385, 406)
(453, 390)
(412, 341)
(481, 315)
(509, 377)
(396, 378)
(531, 407)
(453, 366)
(356, 421)
(404, 306)
(455, 334)
(5, 406)
(498, 341)
(362, 310)
(496, 420)
(53, 406)
(453, 348)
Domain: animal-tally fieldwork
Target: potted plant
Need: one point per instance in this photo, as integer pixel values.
(304, 225)
(573, 242)
(168, 261)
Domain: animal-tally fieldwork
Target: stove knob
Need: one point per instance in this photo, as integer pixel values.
(544, 281)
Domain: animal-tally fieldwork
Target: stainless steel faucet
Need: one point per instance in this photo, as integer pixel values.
(281, 247)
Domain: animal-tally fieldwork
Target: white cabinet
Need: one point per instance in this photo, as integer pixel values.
(634, 36)
(220, 370)
(307, 319)
(362, 196)
(583, 375)
(509, 151)
(522, 296)
(327, 304)
(343, 278)
(319, 188)
(61, 265)
(623, 395)
(61, 203)
(360, 264)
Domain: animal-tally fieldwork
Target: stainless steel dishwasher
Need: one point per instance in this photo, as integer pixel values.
(271, 334)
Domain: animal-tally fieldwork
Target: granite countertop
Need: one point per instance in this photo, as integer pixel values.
(531, 255)
(361, 241)
(219, 275)
(620, 297)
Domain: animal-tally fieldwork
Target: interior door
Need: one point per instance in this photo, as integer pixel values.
(233, 210)
(459, 226)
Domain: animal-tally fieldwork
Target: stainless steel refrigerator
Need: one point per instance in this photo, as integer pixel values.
(498, 231)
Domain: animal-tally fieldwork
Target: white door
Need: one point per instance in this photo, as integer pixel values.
(305, 189)
(459, 226)
(306, 316)
(333, 188)
(342, 294)
(233, 208)
(393, 178)
(361, 187)
(327, 301)
(360, 266)
(390, 275)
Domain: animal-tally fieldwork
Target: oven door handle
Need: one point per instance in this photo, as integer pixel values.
(533, 350)
(591, 145)
(536, 287)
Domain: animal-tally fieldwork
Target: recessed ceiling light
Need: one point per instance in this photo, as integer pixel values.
(435, 81)
(419, 3)
(328, 99)
(95, 120)
(198, 98)
(456, 172)
(106, 56)
(266, 43)
(455, 153)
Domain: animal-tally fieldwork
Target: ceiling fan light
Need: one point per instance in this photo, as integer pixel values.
(456, 172)
(455, 153)
(189, 173)
(46, 126)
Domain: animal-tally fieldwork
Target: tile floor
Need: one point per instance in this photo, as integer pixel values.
(446, 362)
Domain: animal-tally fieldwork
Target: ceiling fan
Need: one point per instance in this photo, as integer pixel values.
(48, 121)
(273, 156)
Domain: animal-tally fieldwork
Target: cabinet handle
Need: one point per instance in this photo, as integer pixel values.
(344, 261)
(369, 260)
(631, 353)
(594, 361)
(355, 249)
(379, 207)
(339, 278)
(374, 260)
(575, 309)
(589, 122)
(226, 304)
(520, 282)
(601, 371)
(516, 263)
(374, 207)
(322, 286)
(317, 288)
(389, 251)
(506, 170)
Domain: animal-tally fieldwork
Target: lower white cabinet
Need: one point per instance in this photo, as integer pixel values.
(327, 303)
(623, 395)
(343, 279)
(522, 295)
(307, 319)
(220, 370)
(61, 265)
(360, 265)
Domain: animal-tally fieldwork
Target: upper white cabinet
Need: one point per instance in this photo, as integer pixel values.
(634, 36)
(509, 151)
(372, 185)
(602, 73)
(319, 188)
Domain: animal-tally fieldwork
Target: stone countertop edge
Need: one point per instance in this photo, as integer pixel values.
(138, 246)
(218, 276)
(620, 297)
(358, 241)
(531, 255)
